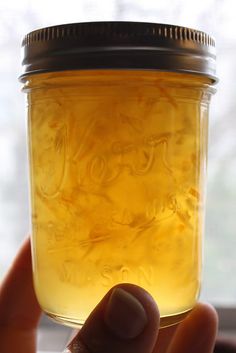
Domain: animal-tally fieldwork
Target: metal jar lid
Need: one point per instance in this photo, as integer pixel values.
(119, 45)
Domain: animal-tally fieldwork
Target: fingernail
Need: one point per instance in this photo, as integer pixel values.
(76, 346)
(125, 316)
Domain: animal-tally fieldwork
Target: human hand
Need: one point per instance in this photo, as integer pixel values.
(126, 320)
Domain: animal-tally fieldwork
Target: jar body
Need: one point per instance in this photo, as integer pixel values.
(117, 165)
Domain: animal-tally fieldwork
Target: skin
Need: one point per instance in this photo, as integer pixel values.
(20, 314)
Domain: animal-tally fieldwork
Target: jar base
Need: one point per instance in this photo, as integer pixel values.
(165, 321)
(171, 320)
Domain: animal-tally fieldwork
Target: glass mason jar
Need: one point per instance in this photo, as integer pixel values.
(117, 132)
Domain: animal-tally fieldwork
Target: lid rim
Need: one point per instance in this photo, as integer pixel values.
(156, 30)
(22, 78)
(119, 45)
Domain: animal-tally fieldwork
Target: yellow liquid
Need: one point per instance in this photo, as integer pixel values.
(117, 183)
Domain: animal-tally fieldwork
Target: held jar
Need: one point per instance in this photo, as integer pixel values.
(117, 133)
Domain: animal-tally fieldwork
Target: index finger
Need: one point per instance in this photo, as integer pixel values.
(19, 309)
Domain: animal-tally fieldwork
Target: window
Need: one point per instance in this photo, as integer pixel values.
(213, 16)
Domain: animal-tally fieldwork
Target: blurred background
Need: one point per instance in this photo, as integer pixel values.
(217, 17)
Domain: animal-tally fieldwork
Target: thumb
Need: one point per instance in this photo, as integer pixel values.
(126, 320)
